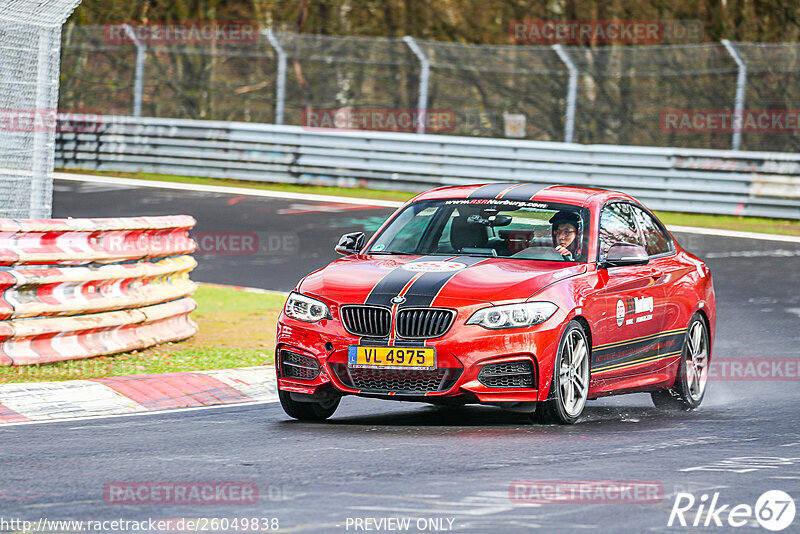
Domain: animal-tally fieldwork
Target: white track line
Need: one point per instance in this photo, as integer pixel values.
(225, 190)
(735, 233)
(167, 411)
(359, 201)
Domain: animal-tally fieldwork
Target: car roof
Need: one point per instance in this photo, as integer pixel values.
(582, 196)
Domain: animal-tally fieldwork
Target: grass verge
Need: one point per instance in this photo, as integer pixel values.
(237, 329)
(725, 222)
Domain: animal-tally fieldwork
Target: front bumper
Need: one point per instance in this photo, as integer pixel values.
(461, 355)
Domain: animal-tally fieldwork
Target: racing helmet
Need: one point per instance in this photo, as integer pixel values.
(575, 220)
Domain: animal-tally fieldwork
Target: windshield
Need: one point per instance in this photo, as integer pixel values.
(487, 227)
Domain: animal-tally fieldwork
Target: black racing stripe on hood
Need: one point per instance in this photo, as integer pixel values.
(523, 192)
(394, 281)
(425, 289)
(490, 190)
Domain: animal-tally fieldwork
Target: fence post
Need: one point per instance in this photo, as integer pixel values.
(280, 90)
(41, 194)
(424, 78)
(138, 80)
(741, 86)
(572, 92)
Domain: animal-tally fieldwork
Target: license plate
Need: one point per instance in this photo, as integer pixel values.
(394, 357)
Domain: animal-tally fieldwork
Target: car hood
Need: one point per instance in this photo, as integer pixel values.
(423, 280)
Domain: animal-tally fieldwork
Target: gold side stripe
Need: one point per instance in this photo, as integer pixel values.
(636, 362)
(618, 366)
(642, 338)
(618, 343)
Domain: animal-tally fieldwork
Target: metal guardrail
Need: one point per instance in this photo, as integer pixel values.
(52, 309)
(765, 184)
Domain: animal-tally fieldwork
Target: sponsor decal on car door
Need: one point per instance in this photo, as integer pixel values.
(631, 338)
(630, 333)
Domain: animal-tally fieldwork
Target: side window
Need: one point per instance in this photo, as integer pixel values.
(655, 240)
(617, 225)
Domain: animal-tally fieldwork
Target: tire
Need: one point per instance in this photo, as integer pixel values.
(570, 384)
(692, 376)
(307, 411)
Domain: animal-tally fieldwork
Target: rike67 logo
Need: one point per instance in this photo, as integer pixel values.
(774, 510)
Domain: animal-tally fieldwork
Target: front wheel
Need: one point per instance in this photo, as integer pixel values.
(307, 411)
(570, 379)
(690, 383)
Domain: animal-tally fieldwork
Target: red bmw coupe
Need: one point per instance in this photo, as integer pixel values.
(528, 298)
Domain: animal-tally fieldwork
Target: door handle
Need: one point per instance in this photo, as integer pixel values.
(656, 273)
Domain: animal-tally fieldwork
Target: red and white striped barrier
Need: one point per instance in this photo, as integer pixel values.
(60, 311)
(71, 290)
(82, 241)
(53, 339)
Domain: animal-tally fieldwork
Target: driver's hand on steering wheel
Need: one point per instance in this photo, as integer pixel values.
(564, 251)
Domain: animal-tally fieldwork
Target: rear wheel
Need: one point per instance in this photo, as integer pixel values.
(308, 411)
(690, 383)
(570, 379)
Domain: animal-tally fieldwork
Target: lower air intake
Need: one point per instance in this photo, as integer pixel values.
(507, 375)
(294, 365)
(397, 380)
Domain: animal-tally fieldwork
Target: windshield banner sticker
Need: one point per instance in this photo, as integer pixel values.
(498, 202)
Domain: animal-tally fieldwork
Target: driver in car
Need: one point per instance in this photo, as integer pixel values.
(565, 234)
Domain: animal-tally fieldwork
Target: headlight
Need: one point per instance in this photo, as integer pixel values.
(513, 315)
(305, 308)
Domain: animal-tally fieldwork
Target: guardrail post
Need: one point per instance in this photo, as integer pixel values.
(280, 90)
(424, 78)
(138, 81)
(741, 87)
(572, 92)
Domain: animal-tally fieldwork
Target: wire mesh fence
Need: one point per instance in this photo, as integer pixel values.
(482, 84)
(230, 81)
(329, 73)
(773, 83)
(623, 92)
(30, 33)
(660, 95)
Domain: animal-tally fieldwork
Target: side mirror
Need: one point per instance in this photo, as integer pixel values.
(621, 254)
(351, 243)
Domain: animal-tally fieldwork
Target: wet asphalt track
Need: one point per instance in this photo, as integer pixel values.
(377, 459)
